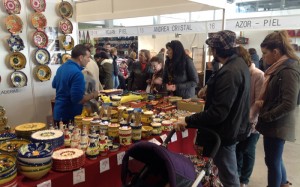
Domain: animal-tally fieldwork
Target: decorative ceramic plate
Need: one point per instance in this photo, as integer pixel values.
(12, 146)
(40, 39)
(19, 79)
(65, 57)
(7, 136)
(42, 56)
(35, 150)
(67, 154)
(43, 72)
(2, 111)
(17, 60)
(7, 162)
(15, 43)
(66, 26)
(47, 134)
(67, 42)
(38, 5)
(65, 9)
(3, 121)
(30, 127)
(12, 6)
(38, 20)
(14, 24)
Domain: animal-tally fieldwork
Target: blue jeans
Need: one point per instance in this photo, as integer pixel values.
(225, 160)
(116, 81)
(273, 158)
(245, 156)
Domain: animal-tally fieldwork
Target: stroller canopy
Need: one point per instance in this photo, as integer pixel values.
(180, 170)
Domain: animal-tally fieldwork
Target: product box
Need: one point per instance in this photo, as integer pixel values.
(191, 106)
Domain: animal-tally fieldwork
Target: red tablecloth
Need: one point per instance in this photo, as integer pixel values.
(110, 178)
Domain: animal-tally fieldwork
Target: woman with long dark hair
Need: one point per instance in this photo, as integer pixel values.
(180, 75)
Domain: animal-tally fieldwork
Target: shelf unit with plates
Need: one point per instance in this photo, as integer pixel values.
(16, 59)
(42, 71)
(122, 44)
(65, 10)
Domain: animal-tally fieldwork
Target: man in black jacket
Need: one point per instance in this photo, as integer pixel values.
(227, 105)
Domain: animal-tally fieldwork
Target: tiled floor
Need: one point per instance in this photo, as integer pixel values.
(291, 160)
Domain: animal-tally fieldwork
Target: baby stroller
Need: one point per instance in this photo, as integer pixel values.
(156, 166)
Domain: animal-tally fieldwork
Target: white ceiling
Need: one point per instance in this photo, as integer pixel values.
(98, 10)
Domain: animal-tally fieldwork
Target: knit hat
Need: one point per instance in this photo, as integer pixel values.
(223, 39)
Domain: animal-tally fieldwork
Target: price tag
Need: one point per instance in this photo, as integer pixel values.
(120, 157)
(78, 176)
(104, 165)
(163, 137)
(153, 140)
(174, 137)
(45, 184)
(185, 133)
(68, 39)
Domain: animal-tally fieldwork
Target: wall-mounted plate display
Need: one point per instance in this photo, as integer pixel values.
(40, 39)
(12, 6)
(18, 79)
(14, 24)
(65, 57)
(42, 56)
(65, 9)
(66, 26)
(2, 111)
(38, 5)
(43, 72)
(38, 20)
(15, 43)
(67, 42)
(17, 60)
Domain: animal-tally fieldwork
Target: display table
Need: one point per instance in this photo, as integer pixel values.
(108, 178)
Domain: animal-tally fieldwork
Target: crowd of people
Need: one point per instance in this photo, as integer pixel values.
(244, 96)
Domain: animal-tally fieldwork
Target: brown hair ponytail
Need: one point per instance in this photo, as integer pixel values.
(280, 40)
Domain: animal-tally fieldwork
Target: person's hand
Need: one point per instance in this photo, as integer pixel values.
(202, 93)
(180, 125)
(158, 81)
(171, 87)
(95, 94)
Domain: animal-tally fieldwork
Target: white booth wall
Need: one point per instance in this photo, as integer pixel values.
(156, 42)
(32, 102)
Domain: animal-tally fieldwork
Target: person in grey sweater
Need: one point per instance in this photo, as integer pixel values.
(180, 75)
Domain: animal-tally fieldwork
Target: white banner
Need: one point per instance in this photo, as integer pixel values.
(268, 23)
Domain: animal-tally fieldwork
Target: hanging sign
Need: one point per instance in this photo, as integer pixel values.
(193, 27)
(263, 23)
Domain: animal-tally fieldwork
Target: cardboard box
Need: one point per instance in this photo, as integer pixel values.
(191, 106)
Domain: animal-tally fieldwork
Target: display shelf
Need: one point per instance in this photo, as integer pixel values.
(122, 44)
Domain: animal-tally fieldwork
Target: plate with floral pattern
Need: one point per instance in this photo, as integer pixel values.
(12, 6)
(66, 26)
(42, 56)
(38, 5)
(15, 43)
(38, 20)
(43, 72)
(65, 9)
(17, 60)
(40, 39)
(14, 24)
(67, 42)
(18, 79)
